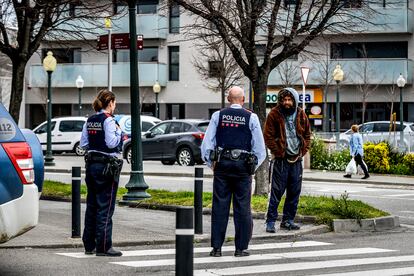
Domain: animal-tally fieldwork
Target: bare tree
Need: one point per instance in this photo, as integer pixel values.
(284, 29)
(287, 71)
(364, 72)
(37, 20)
(325, 67)
(216, 65)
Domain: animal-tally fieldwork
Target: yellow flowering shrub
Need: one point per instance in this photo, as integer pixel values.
(409, 161)
(376, 156)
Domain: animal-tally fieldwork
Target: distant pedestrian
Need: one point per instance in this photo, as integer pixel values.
(233, 147)
(287, 135)
(102, 138)
(356, 150)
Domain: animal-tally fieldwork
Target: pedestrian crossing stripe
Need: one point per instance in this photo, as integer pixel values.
(259, 257)
(382, 272)
(159, 252)
(303, 266)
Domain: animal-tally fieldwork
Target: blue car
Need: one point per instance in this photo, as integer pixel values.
(21, 178)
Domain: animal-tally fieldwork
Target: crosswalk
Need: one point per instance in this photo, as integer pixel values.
(298, 258)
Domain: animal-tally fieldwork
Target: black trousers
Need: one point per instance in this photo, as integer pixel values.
(358, 161)
(285, 177)
(231, 180)
(100, 205)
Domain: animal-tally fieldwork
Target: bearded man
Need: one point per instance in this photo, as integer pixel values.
(287, 135)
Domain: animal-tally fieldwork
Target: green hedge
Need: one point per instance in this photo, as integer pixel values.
(379, 157)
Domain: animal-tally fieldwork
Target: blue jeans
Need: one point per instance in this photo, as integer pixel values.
(100, 205)
(286, 177)
(231, 180)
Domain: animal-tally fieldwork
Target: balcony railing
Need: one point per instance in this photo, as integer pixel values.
(356, 71)
(96, 75)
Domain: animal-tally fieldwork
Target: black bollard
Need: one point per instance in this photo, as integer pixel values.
(76, 202)
(184, 238)
(198, 200)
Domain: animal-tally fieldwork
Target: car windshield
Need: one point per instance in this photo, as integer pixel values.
(203, 126)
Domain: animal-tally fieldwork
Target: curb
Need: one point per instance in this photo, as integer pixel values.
(374, 224)
(204, 238)
(210, 176)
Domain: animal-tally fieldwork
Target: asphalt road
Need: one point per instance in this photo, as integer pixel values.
(390, 253)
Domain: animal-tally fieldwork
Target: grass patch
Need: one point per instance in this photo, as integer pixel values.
(324, 208)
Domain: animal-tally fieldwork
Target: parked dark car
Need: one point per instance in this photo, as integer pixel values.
(170, 141)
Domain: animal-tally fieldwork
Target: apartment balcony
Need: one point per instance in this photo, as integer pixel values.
(378, 71)
(152, 26)
(96, 75)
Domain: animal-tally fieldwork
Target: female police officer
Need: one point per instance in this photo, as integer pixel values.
(102, 138)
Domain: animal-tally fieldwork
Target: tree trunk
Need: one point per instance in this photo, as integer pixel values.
(259, 106)
(17, 89)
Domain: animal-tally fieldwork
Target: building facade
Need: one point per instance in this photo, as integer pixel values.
(372, 59)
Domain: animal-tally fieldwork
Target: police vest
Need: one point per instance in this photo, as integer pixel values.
(233, 131)
(96, 133)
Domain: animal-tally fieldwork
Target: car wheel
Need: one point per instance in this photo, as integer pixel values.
(129, 155)
(185, 157)
(168, 162)
(78, 150)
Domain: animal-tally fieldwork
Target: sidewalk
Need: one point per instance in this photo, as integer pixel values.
(64, 165)
(132, 226)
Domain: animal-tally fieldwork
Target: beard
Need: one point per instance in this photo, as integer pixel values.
(288, 110)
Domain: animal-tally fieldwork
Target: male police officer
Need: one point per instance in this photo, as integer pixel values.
(233, 147)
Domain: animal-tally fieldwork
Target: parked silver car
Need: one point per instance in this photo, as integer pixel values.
(380, 131)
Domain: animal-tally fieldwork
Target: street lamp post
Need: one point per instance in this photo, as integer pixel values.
(156, 88)
(79, 84)
(401, 83)
(136, 185)
(49, 64)
(338, 76)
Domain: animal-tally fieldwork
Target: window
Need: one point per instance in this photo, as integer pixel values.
(160, 129)
(367, 128)
(146, 126)
(381, 127)
(173, 63)
(203, 126)
(43, 128)
(175, 127)
(70, 55)
(71, 126)
(397, 49)
(147, 6)
(353, 4)
(174, 18)
(215, 68)
(148, 54)
(187, 127)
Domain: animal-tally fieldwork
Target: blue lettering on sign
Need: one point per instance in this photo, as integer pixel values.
(308, 98)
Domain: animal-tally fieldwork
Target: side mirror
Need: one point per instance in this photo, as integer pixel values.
(149, 135)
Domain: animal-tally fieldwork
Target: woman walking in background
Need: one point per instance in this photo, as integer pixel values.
(357, 151)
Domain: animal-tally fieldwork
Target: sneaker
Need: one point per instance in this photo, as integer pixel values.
(90, 252)
(347, 176)
(270, 227)
(365, 176)
(289, 225)
(216, 252)
(110, 253)
(241, 253)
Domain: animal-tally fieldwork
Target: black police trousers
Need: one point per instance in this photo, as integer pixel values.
(285, 177)
(231, 179)
(100, 205)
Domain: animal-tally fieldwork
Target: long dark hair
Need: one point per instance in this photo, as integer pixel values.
(103, 99)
